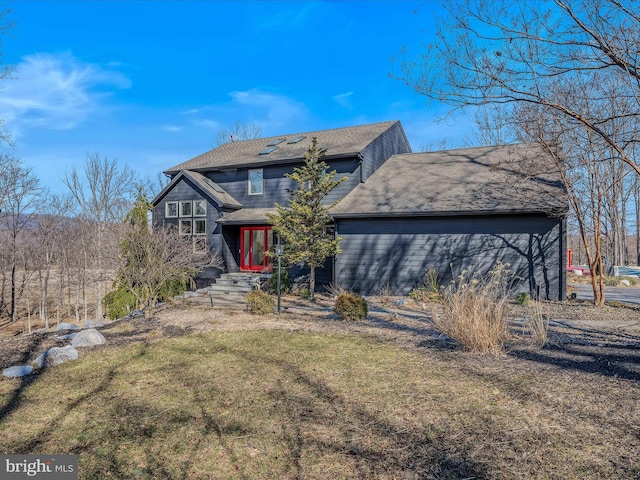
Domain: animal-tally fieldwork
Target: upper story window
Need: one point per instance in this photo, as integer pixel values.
(186, 209)
(256, 182)
(171, 209)
(199, 208)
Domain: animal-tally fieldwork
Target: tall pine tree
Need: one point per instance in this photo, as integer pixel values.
(302, 224)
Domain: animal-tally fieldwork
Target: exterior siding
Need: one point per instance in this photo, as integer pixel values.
(392, 142)
(397, 251)
(234, 182)
(185, 190)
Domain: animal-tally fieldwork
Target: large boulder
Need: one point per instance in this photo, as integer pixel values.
(88, 338)
(17, 371)
(55, 356)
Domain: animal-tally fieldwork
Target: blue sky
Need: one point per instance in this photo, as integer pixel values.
(150, 83)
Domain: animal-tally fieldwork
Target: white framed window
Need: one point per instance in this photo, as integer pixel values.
(199, 245)
(199, 227)
(185, 227)
(199, 208)
(256, 182)
(186, 208)
(171, 209)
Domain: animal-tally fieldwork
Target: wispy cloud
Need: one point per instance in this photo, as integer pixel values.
(172, 128)
(56, 91)
(343, 99)
(271, 111)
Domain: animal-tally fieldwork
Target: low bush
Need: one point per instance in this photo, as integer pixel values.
(350, 306)
(285, 281)
(611, 281)
(523, 298)
(429, 290)
(474, 310)
(260, 302)
(119, 302)
(304, 293)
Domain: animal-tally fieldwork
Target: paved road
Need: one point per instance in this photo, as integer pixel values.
(611, 294)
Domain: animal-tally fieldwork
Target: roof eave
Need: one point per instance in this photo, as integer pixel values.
(450, 213)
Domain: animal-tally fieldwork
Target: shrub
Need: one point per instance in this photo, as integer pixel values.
(474, 310)
(537, 325)
(304, 293)
(118, 303)
(260, 302)
(429, 290)
(611, 281)
(523, 298)
(285, 281)
(350, 306)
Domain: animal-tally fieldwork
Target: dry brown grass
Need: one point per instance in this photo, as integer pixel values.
(474, 310)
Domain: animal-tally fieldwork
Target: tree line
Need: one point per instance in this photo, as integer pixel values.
(59, 253)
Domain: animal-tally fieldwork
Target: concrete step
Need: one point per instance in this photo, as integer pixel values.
(236, 301)
(232, 300)
(216, 289)
(234, 281)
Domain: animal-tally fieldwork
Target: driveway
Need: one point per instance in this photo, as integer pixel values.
(611, 294)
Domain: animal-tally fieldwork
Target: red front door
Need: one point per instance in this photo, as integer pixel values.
(255, 242)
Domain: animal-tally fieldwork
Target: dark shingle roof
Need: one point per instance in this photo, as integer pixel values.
(338, 142)
(502, 179)
(212, 189)
(247, 216)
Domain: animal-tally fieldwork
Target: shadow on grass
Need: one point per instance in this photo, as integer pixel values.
(357, 439)
(13, 401)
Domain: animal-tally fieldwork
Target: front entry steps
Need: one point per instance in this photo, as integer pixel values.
(229, 290)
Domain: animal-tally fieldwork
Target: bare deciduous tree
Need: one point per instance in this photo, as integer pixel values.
(238, 131)
(103, 193)
(563, 73)
(22, 196)
(154, 258)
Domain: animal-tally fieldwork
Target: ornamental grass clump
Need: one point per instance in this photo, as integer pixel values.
(474, 310)
(260, 302)
(350, 306)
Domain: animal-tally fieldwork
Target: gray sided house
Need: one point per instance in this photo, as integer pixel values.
(399, 213)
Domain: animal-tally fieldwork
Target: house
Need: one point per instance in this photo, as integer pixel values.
(399, 212)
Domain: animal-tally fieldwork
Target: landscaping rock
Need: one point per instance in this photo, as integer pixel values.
(88, 338)
(67, 326)
(17, 371)
(55, 356)
(625, 282)
(68, 336)
(93, 324)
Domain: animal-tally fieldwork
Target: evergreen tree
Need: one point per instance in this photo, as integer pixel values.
(302, 224)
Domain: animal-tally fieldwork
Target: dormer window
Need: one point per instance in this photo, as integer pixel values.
(256, 182)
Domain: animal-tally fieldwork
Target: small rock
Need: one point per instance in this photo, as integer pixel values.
(68, 336)
(400, 302)
(601, 345)
(66, 326)
(55, 356)
(135, 313)
(93, 324)
(88, 338)
(625, 282)
(17, 371)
